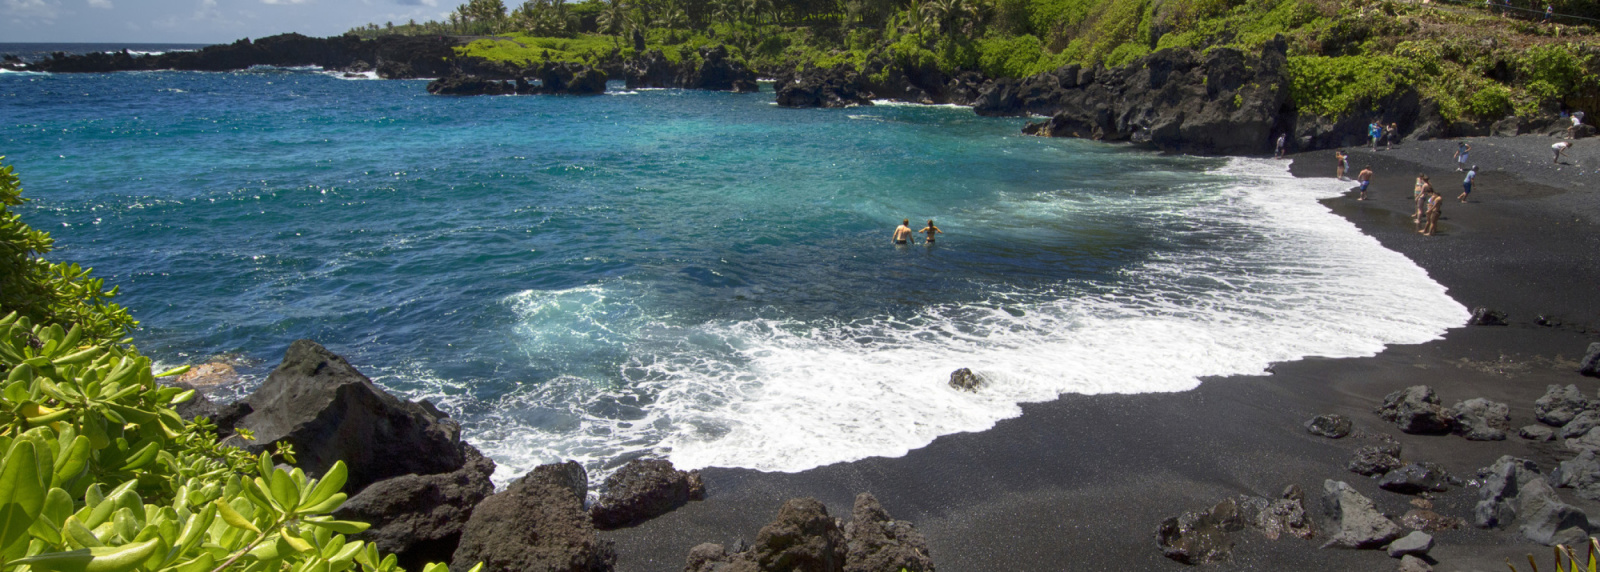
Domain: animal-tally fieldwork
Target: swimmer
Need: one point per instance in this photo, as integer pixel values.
(902, 233)
(931, 230)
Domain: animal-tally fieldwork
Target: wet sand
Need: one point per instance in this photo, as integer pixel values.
(1081, 483)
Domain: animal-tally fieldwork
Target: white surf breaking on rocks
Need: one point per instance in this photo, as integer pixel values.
(1284, 279)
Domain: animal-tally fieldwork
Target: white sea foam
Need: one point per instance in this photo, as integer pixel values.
(1283, 279)
(356, 76)
(896, 103)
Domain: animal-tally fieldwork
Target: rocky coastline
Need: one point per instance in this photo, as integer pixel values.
(1220, 102)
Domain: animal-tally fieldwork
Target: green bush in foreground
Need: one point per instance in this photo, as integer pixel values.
(100, 474)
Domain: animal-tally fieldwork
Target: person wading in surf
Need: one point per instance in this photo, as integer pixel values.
(931, 230)
(1365, 178)
(902, 233)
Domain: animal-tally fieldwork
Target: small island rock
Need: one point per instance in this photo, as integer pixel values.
(1332, 426)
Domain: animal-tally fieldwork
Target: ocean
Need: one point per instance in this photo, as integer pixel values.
(704, 277)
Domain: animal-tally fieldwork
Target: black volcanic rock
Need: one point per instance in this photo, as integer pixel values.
(330, 412)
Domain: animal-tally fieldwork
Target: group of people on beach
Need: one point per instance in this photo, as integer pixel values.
(903, 233)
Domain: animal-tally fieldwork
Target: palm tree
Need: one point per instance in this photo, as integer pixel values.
(613, 18)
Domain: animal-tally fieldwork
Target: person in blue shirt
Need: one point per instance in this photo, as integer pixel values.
(1376, 131)
(1466, 185)
(1462, 149)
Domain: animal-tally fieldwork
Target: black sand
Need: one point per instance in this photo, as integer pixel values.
(1081, 483)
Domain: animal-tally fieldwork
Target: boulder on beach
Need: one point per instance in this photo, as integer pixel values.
(1481, 420)
(1503, 483)
(874, 541)
(1559, 405)
(644, 489)
(1199, 537)
(1537, 433)
(1418, 543)
(419, 518)
(1581, 473)
(1285, 516)
(1580, 424)
(537, 523)
(1416, 478)
(1375, 459)
(210, 374)
(805, 539)
(330, 412)
(1358, 524)
(1590, 365)
(1332, 426)
(1416, 410)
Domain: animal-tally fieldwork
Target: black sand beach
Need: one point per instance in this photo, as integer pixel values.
(1081, 483)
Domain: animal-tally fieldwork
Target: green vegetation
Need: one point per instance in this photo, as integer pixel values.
(99, 473)
(1346, 56)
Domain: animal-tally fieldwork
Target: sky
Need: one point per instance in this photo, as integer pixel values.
(200, 21)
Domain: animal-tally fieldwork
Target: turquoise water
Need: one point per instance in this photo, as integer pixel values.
(703, 276)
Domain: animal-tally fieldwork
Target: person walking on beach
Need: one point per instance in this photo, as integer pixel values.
(1560, 147)
(1341, 161)
(1375, 130)
(1466, 185)
(1365, 178)
(902, 233)
(1283, 139)
(1390, 133)
(1462, 149)
(931, 230)
(1435, 208)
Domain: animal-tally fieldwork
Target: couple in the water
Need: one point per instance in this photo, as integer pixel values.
(902, 233)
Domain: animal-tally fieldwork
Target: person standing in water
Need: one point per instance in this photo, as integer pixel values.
(902, 233)
(1466, 185)
(1423, 186)
(1365, 178)
(1341, 162)
(1283, 140)
(931, 230)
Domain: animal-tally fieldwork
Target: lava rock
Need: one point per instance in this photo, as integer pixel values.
(830, 88)
(1580, 424)
(1481, 420)
(1559, 405)
(963, 379)
(1416, 410)
(1590, 365)
(1589, 441)
(875, 542)
(418, 518)
(1286, 516)
(803, 538)
(1581, 473)
(711, 557)
(717, 72)
(1359, 524)
(1332, 426)
(1502, 483)
(1537, 433)
(329, 412)
(395, 56)
(535, 524)
(1418, 543)
(1375, 459)
(644, 489)
(1482, 316)
(1416, 478)
(1414, 564)
(462, 84)
(1546, 519)
(1200, 537)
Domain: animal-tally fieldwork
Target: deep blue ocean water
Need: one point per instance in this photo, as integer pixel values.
(702, 276)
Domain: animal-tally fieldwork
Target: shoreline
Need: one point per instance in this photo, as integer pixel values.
(1036, 492)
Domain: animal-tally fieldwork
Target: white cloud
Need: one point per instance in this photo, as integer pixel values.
(283, 2)
(100, 4)
(30, 11)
